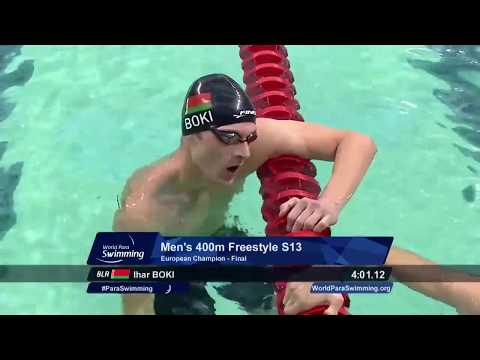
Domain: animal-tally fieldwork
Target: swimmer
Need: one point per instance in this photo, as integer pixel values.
(463, 296)
(223, 142)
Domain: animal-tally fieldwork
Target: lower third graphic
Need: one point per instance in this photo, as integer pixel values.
(137, 288)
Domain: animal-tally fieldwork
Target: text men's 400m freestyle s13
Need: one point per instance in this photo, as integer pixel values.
(232, 246)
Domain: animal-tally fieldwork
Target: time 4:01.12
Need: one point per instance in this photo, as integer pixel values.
(368, 275)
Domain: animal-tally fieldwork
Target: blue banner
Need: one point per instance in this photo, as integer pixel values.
(137, 288)
(153, 249)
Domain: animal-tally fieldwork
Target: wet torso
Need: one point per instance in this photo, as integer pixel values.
(152, 191)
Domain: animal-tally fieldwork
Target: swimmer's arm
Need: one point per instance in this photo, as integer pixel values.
(464, 296)
(351, 152)
(133, 304)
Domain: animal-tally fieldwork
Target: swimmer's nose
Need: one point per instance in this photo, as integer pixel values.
(243, 150)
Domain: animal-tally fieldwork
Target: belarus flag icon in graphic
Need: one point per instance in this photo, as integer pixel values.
(120, 274)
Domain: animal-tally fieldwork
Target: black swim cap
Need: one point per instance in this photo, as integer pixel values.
(216, 100)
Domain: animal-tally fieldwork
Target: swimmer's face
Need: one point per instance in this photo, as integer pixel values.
(221, 152)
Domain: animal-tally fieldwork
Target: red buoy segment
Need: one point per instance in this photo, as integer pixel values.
(269, 83)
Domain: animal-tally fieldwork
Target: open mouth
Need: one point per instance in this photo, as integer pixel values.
(232, 169)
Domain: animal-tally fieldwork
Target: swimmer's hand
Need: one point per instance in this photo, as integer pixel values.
(298, 298)
(310, 214)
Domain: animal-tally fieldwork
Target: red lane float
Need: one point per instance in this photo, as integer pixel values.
(269, 83)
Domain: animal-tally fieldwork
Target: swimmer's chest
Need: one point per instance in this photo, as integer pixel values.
(201, 215)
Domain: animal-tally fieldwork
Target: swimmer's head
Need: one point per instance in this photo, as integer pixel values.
(218, 119)
(215, 100)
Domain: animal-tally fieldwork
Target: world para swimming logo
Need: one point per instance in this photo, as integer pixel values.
(116, 253)
(122, 248)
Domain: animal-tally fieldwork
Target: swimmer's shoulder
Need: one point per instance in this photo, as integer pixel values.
(150, 179)
(297, 138)
(267, 144)
(139, 206)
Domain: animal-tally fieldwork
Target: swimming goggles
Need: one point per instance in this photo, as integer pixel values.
(232, 137)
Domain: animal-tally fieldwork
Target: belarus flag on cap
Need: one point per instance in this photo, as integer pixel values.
(200, 102)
